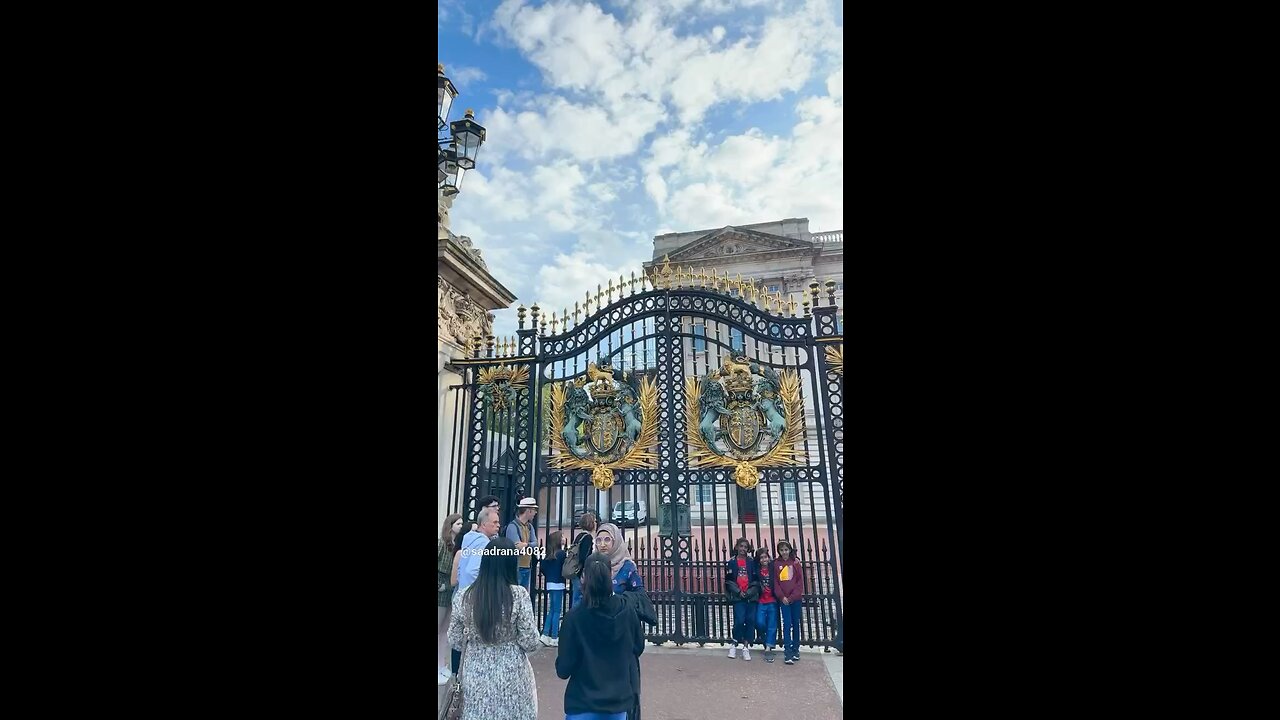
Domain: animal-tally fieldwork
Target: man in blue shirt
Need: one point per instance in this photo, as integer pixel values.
(472, 543)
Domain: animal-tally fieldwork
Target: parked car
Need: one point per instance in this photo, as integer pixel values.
(631, 514)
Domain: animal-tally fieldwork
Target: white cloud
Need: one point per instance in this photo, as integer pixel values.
(581, 131)
(569, 276)
(755, 177)
(835, 85)
(579, 47)
(463, 76)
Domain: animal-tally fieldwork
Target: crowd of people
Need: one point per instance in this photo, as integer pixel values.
(487, 625)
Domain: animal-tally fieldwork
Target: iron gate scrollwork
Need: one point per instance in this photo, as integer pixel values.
(690, 410)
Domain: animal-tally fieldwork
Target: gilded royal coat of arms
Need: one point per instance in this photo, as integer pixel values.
(602, 424)
(745, 416)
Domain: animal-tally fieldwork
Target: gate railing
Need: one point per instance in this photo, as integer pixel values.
(683, 570)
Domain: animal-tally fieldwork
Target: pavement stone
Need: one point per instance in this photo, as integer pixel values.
(692, 683)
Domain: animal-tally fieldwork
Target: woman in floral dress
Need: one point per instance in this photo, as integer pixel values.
(494, 618)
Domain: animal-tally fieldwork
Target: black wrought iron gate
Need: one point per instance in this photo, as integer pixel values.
(690, 410)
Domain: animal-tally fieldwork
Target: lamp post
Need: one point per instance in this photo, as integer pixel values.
(458, 143)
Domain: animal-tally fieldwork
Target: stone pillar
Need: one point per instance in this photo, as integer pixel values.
(465, 295)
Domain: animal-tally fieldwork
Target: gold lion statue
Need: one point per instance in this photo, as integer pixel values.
(600, 373)
(731, 367)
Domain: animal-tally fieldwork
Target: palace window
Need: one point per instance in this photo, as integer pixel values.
(735, 340)
(699, 345)
(705, 493)
(789, 492)
(773, 288)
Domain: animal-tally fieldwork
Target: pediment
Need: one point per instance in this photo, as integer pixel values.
(731, 242)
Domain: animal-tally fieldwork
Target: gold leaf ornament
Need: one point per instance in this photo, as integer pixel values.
(835, 358)
(602, 477)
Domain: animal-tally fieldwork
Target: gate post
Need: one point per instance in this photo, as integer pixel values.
(829, 346)
(673, 455)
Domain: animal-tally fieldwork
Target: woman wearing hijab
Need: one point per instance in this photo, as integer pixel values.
(599, 636)
(610, 543)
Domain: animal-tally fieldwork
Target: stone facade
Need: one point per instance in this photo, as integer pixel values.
(783, 255)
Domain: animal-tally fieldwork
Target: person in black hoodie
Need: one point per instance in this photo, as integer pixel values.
(600, 637)
(742, 588)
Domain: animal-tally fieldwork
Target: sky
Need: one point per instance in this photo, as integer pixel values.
(613, 121)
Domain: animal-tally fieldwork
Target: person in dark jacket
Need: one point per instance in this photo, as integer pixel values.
(584, 541)
(555, 588)
(788, 587)
(742, 587)
(600, 636)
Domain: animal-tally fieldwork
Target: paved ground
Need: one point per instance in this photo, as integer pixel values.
(696, 683)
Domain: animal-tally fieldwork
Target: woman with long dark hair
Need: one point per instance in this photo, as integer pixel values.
(454, 656)
(444, 591)
(600, 636)
(494, 618)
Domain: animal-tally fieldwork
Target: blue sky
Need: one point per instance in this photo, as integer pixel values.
(613, 121)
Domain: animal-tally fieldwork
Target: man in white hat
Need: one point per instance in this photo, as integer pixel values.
(520, 531)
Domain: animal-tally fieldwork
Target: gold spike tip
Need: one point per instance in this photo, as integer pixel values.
(471, 114)
(440, 67)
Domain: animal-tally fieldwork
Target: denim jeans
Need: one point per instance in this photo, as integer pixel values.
(524, 575)
(555, 606)
(790, 628)
(767, 624)
(597, 716)
(575, 597)
(744, 615)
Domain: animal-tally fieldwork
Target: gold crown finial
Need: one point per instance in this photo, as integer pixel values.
(471, 114)
(440, 67)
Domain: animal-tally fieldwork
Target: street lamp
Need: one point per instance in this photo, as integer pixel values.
(457, 149)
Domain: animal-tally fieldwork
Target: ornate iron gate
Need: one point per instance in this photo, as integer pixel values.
(691, 410)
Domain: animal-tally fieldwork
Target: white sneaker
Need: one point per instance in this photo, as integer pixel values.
(733, 650)
(443, 676)
(746, 653)
(555, 642)
(544, 640)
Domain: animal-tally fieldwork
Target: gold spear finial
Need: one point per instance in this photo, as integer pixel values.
(554, 323)
(632, 284)
(575, 313)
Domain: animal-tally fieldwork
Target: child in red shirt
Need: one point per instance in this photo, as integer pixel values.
(767, 610)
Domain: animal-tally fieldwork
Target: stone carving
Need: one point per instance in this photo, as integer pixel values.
(459, 319)
(472, 250)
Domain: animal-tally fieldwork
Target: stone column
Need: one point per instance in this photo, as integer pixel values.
(465, 295)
